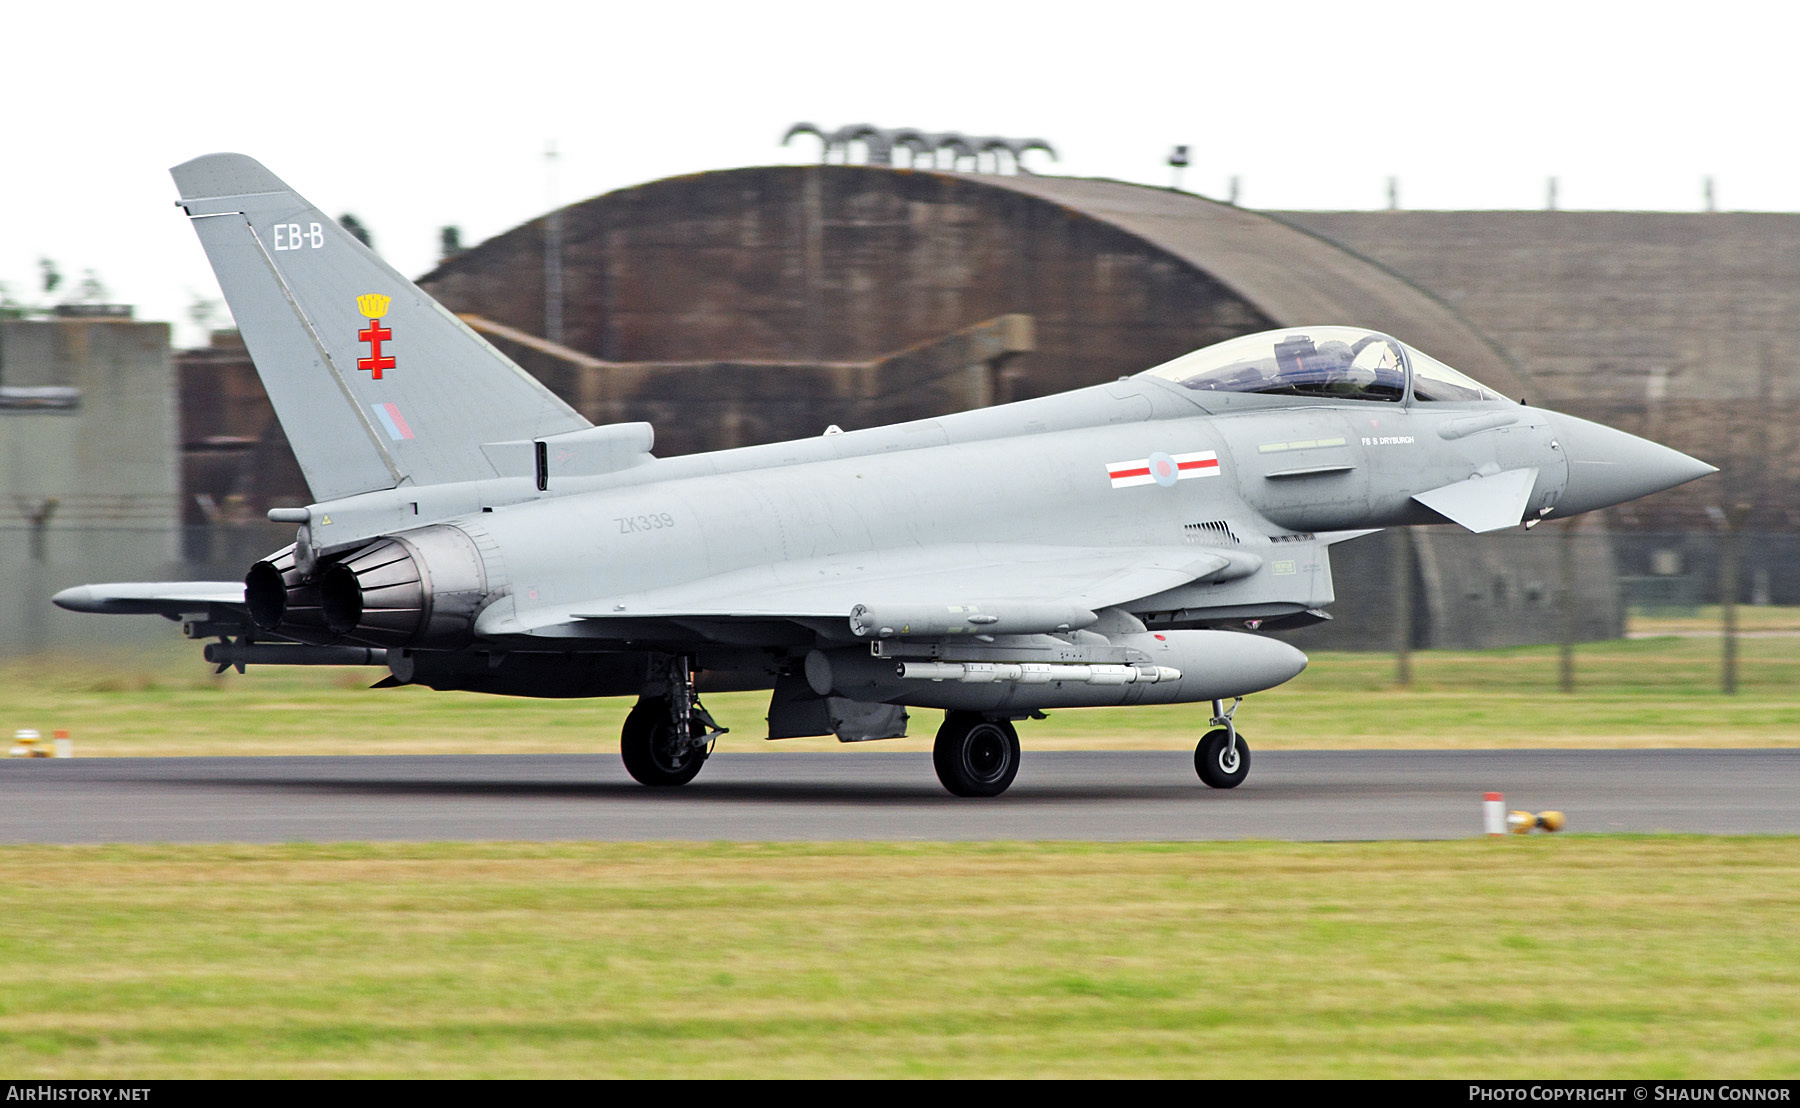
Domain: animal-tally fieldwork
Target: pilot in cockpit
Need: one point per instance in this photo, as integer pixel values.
(1326, 362)
(1334, 360)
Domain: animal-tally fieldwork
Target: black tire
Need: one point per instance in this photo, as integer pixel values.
(650, 755)
(1214, 768)
(975, 756)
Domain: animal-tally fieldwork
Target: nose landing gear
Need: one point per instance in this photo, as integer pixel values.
(1222, 759)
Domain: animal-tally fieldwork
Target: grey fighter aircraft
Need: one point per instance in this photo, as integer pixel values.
(1119, 544)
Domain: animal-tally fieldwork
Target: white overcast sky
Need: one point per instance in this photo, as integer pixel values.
(416, 115)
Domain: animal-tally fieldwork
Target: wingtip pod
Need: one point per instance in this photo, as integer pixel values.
(212, 175)
(81, 598)
(167, 598)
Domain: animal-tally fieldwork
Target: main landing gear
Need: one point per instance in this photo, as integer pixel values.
(668, 737)
(976, 756)
(1222, 759)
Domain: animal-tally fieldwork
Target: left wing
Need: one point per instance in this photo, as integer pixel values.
(949, 589)
(172, 599)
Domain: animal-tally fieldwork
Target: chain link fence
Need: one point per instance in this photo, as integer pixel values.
(1451, 589)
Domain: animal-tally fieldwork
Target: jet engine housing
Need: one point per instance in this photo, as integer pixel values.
(284, 601)
(415, 588)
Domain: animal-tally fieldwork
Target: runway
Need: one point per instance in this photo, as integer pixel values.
(1113, 796)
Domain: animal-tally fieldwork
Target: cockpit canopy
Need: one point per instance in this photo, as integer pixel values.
(1327, 363)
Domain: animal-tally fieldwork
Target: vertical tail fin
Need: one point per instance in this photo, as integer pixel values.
(375, 383)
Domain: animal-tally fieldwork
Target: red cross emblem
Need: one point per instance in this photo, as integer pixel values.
(375, 334)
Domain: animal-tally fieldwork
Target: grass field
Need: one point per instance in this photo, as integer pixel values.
(1584, 956)
(1708, 618)
(1660, 691)
(1592, 956)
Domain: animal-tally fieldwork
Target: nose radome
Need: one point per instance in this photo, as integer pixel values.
(1608, 466)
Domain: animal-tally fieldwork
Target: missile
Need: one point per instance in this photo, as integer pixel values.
(932, 620)
(1036, 673)
(293, 654)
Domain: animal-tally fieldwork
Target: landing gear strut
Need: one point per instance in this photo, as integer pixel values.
(667, 738)
(1222, 759)
(976, 756)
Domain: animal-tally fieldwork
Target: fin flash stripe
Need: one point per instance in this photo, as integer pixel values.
(391, 419)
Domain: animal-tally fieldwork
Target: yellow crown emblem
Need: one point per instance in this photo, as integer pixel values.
(373, 304)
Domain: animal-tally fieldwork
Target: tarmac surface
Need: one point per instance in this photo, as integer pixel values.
(1111, 796)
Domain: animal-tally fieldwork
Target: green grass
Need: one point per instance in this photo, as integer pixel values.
(1708, 618)
(1585, 956)
(1588, 956)
(1635, 692)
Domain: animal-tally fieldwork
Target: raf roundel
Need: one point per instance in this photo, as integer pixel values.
(1163, 469)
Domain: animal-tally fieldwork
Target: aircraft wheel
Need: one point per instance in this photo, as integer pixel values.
(649, 748)
(1218, 766)
(975, 756)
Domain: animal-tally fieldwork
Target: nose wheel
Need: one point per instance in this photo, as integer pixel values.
(1222, 759)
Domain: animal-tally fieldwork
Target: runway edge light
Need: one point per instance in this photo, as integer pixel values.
(65, 746)
(1493, 813)
(25, 744)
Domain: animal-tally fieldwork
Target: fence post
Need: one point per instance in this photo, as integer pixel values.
(1565, 601)
(1403, 605)
(1729, 559)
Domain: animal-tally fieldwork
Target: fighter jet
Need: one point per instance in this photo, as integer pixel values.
(1127, 543)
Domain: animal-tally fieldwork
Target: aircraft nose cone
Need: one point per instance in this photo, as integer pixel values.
(1608, 466)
